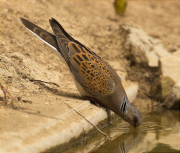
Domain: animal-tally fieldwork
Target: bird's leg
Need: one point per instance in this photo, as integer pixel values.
(94, 101)
(109, 116)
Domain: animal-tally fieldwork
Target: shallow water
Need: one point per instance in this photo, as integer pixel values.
(159, 132)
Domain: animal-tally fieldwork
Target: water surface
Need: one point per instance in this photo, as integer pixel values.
(159, 132)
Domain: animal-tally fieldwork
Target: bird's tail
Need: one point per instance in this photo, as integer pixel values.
(63, 39)
(45, 36)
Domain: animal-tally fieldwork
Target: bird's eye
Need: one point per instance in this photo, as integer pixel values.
(135, 120)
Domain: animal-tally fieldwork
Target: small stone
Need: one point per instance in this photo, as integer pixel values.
(18, 98)
(161, 87)
(172, 101)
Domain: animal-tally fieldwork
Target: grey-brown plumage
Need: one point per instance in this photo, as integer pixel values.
(95, 79)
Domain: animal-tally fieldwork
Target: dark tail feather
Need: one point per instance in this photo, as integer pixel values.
(41, 33)
(54, 23)
(62, 38)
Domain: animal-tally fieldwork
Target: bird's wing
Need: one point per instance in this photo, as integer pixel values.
(89, 70)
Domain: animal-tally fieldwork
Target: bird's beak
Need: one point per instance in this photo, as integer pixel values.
(135, 125)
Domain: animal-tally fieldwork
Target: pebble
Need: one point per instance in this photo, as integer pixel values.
(172, 101)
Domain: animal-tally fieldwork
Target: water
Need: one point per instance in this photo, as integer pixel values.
(159, 132)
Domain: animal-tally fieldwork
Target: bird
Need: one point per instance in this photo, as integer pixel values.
(120, 6)
(95, 79)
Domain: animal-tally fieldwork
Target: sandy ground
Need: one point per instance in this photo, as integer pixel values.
(24, 58)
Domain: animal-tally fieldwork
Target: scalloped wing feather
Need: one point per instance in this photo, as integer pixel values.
(90, 71)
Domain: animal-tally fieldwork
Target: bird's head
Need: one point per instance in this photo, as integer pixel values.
(130, 113)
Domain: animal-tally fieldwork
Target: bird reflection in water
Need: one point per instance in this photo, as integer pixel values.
(129, 140)
(123, 143)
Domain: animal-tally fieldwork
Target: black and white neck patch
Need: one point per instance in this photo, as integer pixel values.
(123, 107)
